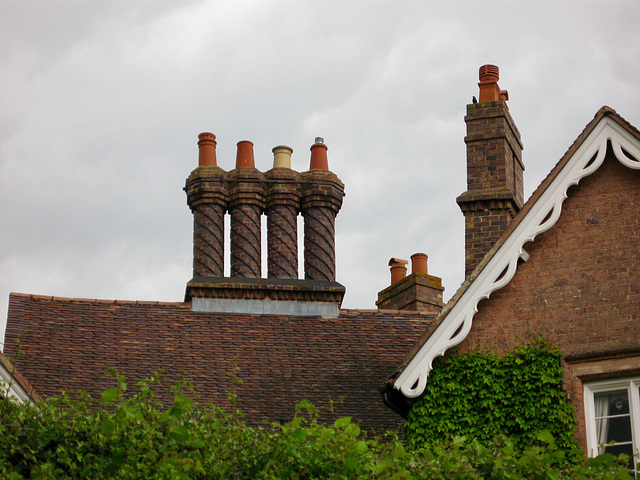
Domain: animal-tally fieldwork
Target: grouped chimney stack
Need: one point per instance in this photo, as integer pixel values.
(281, 194)
(495, 191)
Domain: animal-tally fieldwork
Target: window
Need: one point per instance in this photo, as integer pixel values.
(612, 412)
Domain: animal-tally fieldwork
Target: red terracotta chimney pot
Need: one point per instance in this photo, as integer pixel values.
(489, 90)
(319, 155)
(419, 263)
(206, 149)
(398, 269)
(244, 155)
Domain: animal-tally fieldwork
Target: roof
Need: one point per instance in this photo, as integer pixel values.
(539, 214)
(69, 343)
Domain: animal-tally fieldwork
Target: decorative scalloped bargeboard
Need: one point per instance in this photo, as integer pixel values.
(502, 267)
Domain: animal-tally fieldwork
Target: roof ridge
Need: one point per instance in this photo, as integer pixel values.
(52, 298)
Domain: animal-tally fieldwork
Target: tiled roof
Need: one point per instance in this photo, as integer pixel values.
(69, 343)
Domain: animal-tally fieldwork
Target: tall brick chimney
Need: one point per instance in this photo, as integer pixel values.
(494, 169)
(281, 194)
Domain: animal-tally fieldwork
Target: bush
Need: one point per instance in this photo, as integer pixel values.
(139, 437)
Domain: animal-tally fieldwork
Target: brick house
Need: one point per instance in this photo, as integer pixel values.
(288, 336)
(564, 266)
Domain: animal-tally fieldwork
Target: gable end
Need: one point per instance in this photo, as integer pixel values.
(501, 263)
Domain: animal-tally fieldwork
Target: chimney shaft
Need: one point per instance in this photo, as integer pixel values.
(207, 199)
(246, 203)
(495, 190)
(283, 206)
(321, 201)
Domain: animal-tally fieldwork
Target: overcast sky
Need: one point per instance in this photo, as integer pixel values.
(101, 104)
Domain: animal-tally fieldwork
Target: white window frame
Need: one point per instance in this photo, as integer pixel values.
(632, 386)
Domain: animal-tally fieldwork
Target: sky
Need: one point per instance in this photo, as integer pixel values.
(101, 104)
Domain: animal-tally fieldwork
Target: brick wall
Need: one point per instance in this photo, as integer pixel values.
(580, 289)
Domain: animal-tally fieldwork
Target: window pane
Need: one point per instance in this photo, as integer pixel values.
(613, 421)
(618, 449)
(612, 403)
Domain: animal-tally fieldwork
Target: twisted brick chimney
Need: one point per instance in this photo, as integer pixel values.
(246, 194)
(321, 201)
(494, 169)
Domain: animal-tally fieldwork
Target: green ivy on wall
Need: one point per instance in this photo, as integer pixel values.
(481, 396)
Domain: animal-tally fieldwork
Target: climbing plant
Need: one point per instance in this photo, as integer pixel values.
(480, 396)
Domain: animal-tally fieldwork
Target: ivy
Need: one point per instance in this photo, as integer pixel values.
(480, 396)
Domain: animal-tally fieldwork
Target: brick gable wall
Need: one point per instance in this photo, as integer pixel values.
(580, 289)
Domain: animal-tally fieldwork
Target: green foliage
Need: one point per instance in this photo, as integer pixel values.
(138, 437)
(481, 396)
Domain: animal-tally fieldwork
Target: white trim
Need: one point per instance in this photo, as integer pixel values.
(10, 388)
(503, 265)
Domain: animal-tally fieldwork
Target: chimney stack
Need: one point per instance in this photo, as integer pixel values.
(281, 194)
(495, 191)
(419, 291)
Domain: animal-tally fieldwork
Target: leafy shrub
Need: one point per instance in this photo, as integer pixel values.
(138, 437)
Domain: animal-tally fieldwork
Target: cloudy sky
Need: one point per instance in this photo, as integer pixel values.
(101, 104)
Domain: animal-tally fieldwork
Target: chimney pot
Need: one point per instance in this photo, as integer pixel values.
(398, 269)
(319, 155)
(244, 155)
(489, 90)
(489, 73)
(282, 156)
(419, 263)
(206, 149)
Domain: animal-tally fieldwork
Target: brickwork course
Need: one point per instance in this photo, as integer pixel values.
(69, 343)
